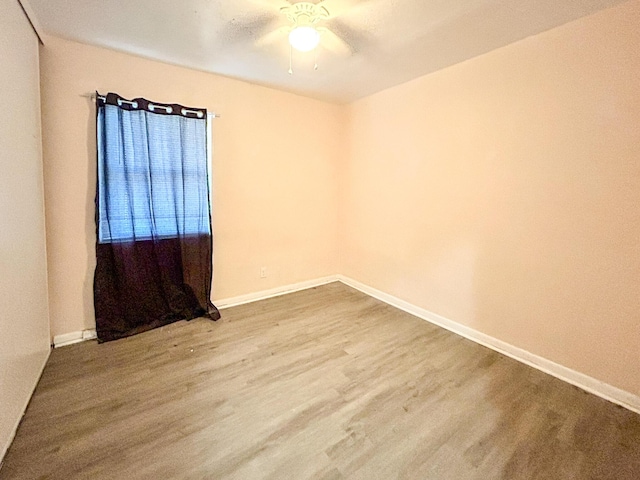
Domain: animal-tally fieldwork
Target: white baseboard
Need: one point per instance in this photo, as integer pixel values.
(585, 382)
(580, 380)
(90, 334)
(74, 337)
(5, 448)
(273, 292)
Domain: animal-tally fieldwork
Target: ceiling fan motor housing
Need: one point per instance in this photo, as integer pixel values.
(305, 13)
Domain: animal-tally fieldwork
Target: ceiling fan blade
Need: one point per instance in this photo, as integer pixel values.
(271, 4)
(275, 36)
(357, 40)
(248, 27)
(334, 43)
(340, 8)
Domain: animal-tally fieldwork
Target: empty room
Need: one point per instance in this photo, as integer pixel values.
(325, 239)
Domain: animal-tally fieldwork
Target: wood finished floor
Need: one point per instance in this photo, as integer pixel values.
(326, 383)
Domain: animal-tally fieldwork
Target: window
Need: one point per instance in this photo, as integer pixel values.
(154, 249)
(153, 171)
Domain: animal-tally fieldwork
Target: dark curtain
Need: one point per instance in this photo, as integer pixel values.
(154, 238)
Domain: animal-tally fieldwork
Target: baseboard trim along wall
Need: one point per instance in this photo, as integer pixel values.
(273, 292)
(5, 448)
(580, 380)
(74, 337)
(90, 334)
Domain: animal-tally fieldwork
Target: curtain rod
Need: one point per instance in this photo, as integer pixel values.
(93, 97)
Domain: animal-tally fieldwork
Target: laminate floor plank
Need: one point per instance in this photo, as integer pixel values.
(322, 384)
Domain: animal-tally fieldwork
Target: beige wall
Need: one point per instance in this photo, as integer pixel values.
(504, 194)
(24, 315)
(275, 165)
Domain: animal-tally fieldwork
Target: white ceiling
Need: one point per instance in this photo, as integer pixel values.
(390, 41)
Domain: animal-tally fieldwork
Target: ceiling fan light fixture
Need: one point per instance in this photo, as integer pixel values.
(304, 38)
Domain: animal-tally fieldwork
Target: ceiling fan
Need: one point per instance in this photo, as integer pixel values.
(304, 34)
(306, 25)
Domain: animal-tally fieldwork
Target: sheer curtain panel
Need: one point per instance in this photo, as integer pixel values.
(154, 237)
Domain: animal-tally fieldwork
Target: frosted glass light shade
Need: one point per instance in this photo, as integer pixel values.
(304, 38)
